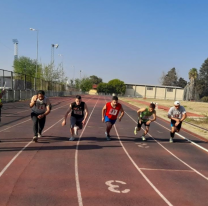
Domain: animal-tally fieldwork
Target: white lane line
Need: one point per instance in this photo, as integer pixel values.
(206, 178)
(193, 143)
(197, 145)
(15, 157)
(166, 170)
(79, 195)
(29, 119)
(140, 171)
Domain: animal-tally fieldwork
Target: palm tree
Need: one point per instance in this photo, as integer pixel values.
(193, 74)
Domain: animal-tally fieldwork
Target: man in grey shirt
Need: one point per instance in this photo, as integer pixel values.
(177, 114)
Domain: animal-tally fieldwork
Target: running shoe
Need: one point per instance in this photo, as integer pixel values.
(76, 130)
(135, 130)
(108, 138)
(107, 134)
(39, 135)
(72, 139)
(143, 138)
(35, 138)
(171, 140)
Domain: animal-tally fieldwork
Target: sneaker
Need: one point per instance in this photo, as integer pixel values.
(76, 130)
(72, 139)
(35, 138)
(39, 135)
(171, 140)
(107, 135)
(135, 130)
(143, 138)
(108, 138)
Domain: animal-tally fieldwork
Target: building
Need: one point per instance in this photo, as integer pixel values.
(154, 91)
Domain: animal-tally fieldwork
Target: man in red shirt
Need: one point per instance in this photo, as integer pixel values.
(109, 114)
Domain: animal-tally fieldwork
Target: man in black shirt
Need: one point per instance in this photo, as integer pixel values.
(79, 114)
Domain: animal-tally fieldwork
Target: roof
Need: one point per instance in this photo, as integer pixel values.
(149, 85)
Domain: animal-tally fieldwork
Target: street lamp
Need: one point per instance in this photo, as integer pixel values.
(52, 52)
(62, 63)
(37, 50)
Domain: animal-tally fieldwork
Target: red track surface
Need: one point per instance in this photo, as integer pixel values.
(91, 171)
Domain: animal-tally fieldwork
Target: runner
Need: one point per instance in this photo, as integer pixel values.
(109, 114)
(143, 118)
(79, 114)
(177, 114)
(40, 108)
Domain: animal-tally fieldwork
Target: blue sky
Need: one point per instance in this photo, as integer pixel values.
(132, 40)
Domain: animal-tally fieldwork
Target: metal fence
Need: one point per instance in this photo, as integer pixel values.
(18, 81)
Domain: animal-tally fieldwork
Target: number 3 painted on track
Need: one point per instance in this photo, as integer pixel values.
(114, 188)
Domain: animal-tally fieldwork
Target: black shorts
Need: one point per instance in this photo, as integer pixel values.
(173, 124)
(76, 121)
(142, 122)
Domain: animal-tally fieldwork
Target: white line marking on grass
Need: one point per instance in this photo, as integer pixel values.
(206, 178)
(166, 170)
(79, 195)
(15, 157)
(140, 171)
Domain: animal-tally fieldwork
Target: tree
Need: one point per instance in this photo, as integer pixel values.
(202, 84)
(95, 79)
(86, 84)
(170, 79)
(181, 82)
(25, 65)
(102, 88)
(116, 86)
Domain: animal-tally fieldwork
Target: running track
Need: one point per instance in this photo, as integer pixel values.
(93, 172)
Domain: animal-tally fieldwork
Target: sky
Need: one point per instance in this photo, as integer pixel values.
(131, 40)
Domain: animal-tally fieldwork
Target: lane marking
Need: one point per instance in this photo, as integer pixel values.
(193, 143)
(206, 178)
(140, 171)
(28, 120)
(15, 157)
(113, 187)
(79, 195)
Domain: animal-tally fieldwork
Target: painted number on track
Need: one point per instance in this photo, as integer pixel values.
(114, 186)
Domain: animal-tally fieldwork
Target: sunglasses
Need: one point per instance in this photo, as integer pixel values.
(177, 106)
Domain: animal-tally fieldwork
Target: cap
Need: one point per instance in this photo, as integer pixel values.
(176, 103)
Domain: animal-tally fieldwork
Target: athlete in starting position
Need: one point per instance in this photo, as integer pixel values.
(143, 118)
(177, 114)
(109, 114)
(78, 118)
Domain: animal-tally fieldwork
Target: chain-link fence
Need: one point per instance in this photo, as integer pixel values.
(20, 86)
(18, 81)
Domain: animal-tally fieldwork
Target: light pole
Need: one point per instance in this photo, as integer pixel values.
(37, 51)
(62, 68)
(52, 52)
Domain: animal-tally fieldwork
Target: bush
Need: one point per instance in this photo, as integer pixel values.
(204, 99)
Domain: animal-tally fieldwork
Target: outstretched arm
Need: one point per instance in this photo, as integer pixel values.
(122, 113)
(103, 113)
(86, 114)
(66, 115)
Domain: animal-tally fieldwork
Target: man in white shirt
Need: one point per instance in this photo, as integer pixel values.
(177, 114)
(40, 108)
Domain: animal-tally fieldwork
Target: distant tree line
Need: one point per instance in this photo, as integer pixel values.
(197, 85)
